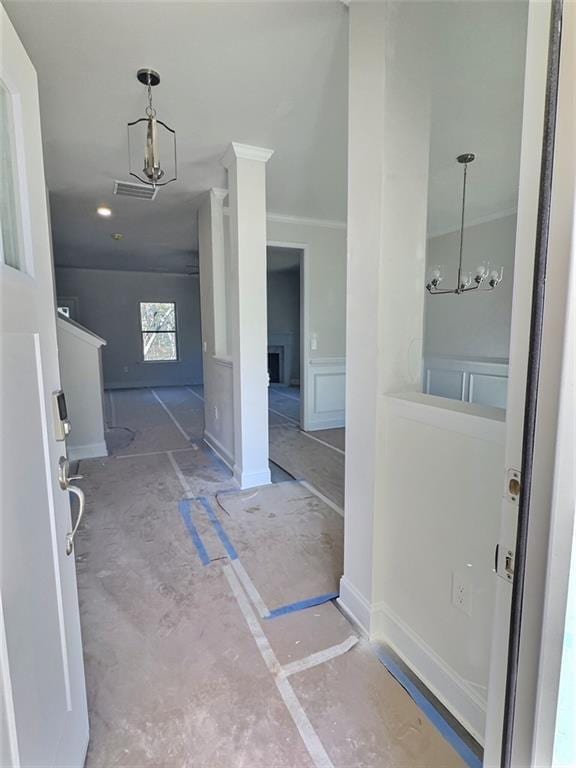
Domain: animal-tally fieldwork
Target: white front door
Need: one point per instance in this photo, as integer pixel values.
(43, 713)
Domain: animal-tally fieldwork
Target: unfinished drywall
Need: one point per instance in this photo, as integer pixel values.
(283, 299)
(476, 325)
(108, 305)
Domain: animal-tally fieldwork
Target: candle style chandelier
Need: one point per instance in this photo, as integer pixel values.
(155, 137)
(485, 277)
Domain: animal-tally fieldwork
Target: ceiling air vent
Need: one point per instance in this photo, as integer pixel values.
(129, 189)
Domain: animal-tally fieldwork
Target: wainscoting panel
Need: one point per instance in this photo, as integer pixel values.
(326, 384)
(483, 381)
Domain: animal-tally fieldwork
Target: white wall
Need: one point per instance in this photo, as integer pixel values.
(283, 296)
(108, 304)
(324, 299)
(387, 204)
(474, 325)
(79, 352)
(442, 468)
(218, 366)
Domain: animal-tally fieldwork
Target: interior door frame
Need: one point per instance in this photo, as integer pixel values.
(304, 250)
(527, 650)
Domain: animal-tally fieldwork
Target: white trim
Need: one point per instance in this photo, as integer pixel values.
(115, 385)
(236, 151)
(75, 329)
(222, 360)
(504, 214)
(218, 448)
(6, 694)
(251, 479)
(219, 193)
(304, 221)
(282, 218)
(445, 683)
(127, 271)
(90, 451)
(478, 421)
(355, 605)
(327, 361)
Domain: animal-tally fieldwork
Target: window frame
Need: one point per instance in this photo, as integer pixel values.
(175, 331)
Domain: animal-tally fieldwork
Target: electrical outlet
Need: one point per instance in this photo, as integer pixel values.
(461, 597)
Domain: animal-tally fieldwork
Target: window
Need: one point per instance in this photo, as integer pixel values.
(158, 327)
(10, 211)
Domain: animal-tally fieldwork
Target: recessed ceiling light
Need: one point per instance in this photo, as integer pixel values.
(104, 211)
(117, 236)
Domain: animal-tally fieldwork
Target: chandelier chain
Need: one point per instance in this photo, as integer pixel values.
(150, 111)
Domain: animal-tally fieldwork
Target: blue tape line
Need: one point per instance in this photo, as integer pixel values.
(302, 604)
(228, 546)
(185, 511)
(447, 731)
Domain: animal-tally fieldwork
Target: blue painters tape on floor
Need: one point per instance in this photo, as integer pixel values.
(442, 725)
(302, 604)
(222, 535)
(186, 513)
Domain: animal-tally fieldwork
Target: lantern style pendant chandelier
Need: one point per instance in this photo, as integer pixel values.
(155, 137)
(485, 277)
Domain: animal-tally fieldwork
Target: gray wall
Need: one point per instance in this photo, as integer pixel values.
(283, 293)
(108, 304)
(473, 324)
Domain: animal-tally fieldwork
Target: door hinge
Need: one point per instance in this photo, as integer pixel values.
(504, 562)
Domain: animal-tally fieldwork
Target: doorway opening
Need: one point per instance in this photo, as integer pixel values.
(284, 305)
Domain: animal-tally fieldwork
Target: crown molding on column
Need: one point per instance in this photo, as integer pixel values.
(219, 193)
(238, 151)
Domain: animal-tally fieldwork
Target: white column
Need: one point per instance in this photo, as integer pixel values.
(248, 343)
(387, 202)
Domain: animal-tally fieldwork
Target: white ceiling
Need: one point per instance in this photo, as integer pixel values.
(476, 68)
(272, 74)
(269, 74)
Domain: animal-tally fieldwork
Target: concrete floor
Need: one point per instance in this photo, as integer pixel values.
(184, 665)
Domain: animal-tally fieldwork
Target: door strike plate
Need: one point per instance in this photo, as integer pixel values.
(513, 485)
(504, 563)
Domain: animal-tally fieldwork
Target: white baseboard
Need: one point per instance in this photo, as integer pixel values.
(251, 479)
(355, 605)
(219, 450)
(444, 682)
(91, 451)
(148, 384)
(316, 424)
